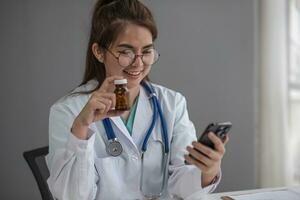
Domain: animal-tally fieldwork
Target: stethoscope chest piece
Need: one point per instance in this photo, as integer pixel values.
(114, 148)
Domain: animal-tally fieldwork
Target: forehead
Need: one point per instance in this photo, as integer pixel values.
(134, 35)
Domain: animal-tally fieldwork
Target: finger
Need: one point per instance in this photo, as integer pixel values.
(114, 113)
(107, 102)
(226, 140)
(110, 96)
(108, 82)
(95, 104)
(218, 144)
(193, 161)
(207, 151)
(99, 108)
(105, 112)
(199, 156)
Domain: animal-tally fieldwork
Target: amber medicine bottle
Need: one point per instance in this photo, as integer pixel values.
(122, 95)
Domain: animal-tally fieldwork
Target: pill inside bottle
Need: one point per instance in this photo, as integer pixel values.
(122, 95)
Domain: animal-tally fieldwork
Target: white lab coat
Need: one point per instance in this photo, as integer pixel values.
(82, 169)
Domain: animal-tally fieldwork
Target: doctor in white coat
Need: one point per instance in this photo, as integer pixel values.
(121, 46)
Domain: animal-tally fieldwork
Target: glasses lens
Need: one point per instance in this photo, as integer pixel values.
(150, 57)
(126, 59)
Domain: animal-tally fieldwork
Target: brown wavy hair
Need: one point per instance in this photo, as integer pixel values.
(110, 18)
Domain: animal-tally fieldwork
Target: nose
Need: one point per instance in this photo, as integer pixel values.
(138, 61)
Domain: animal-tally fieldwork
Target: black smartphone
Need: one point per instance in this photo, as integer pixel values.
(219, 129)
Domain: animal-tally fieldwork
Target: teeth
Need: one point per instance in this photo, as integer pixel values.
(133, 73)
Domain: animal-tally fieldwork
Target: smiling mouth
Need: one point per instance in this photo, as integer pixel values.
(132, 73)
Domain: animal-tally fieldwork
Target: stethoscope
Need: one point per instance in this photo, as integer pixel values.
(114, 147)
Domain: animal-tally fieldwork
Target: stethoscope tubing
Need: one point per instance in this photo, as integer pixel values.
(155, 113)
(108, 129)
(156, 110)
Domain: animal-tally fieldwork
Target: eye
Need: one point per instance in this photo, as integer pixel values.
(127, 53)
(148, 51)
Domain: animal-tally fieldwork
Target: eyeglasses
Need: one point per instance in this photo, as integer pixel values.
(128, 57)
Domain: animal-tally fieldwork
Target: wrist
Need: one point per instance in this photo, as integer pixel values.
(208, 179)
(79, 129)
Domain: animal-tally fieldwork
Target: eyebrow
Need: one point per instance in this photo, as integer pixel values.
(131, 47)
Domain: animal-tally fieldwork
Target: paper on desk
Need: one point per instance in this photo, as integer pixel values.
(270, 195)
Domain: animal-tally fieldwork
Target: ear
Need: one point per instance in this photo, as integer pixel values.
(98, 52)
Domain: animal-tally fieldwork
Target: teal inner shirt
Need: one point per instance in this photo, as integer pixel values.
(130, 120)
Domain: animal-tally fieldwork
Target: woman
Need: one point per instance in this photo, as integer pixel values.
(81, 167)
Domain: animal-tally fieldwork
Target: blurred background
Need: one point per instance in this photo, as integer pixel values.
(234, 60)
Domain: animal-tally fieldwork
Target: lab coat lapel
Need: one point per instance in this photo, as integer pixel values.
(142, 118)
(122, 129)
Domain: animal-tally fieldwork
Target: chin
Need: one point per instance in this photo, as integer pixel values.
(133, 83)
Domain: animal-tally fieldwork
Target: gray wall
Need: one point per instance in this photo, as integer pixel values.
(207, 53)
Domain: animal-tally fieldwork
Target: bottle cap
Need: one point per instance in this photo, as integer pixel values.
(120, 82)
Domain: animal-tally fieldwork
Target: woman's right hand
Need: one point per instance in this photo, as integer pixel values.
(100, 105)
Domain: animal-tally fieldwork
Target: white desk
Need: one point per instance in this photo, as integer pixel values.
(217, 196)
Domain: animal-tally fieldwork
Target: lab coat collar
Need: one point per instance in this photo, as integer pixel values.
(143, 118)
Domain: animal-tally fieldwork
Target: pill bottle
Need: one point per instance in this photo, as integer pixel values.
(122, 95)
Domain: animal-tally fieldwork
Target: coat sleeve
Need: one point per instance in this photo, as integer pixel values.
(70, 160)
(184, 180)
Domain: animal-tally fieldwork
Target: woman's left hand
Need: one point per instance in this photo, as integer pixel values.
(208, 160)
